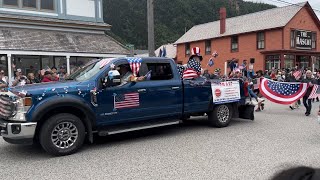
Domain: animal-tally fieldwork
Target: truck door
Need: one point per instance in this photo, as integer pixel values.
(160, 95)
(196, 97)
(120, 103)
(163, 96)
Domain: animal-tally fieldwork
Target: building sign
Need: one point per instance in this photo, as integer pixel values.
(303, 39)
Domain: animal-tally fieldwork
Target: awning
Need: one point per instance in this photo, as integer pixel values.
(293, 51)
(16, 39)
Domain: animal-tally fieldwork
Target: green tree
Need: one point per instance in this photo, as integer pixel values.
(172, 17)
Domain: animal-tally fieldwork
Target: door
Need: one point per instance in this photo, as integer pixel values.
(120, 103)
(164, 91)
(158, 96)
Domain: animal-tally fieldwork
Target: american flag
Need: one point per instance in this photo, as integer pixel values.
(190, 74)
(241, 67)
(281, 92)
(104, 62)
(215, 54)
(211, 62)
(135, 64)
(128, 100)
(297, 74)
(315, 92)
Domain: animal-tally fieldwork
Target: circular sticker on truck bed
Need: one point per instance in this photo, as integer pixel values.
(218, 93)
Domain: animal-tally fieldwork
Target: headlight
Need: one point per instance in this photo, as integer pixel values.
(22, 105)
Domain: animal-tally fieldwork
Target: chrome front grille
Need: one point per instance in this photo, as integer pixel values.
(7, 106)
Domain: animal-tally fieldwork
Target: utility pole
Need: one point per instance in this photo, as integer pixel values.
(151, 48)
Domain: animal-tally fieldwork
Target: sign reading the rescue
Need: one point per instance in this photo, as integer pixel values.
(224, 92)
(303, 39)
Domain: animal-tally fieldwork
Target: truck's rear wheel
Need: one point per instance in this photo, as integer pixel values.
(62, 134)
(220, 116)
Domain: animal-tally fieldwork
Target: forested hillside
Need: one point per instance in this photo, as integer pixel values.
(172, 17)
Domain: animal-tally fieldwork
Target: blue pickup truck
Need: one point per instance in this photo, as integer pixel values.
(95, 100)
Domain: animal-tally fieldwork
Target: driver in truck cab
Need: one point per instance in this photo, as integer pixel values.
(127, 75)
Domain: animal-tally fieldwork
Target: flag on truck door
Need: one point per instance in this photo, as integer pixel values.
(281, 92)
(128, 100)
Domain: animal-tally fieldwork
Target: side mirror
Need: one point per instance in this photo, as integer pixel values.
(113, 79)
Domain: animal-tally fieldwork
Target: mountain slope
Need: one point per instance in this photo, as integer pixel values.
(172, 17)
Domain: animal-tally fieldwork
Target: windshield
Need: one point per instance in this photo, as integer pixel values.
(87, 71)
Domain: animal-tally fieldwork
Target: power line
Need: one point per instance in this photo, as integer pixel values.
(289, 3)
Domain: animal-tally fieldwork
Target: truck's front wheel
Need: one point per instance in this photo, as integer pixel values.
(62, 134)
(220, 116)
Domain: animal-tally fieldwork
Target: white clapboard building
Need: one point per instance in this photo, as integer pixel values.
(37, 34)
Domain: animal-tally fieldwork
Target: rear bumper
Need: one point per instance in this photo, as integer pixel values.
(17, 133)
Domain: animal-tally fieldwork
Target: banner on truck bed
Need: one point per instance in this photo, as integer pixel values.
(225, 92)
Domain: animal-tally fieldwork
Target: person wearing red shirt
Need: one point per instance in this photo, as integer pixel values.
(47, 77)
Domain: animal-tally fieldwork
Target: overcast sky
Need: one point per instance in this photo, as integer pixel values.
(314, 3)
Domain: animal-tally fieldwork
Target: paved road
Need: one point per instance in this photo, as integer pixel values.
(278, 138)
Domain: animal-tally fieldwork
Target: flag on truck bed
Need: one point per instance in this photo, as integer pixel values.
(129, 100)
(315, 92)
(190, 74)
(281, 92)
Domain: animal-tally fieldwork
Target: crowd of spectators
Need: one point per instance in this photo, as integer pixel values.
(33, 76)
(249, 81)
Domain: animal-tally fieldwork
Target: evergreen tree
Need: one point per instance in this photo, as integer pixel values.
(172, 17)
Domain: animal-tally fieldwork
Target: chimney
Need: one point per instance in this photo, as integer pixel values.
(223, 17)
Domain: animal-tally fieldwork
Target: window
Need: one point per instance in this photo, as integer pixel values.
(160, 71)
(86, 72)
(75, 62)
(272, 61)
(289, 61)
(47, 62)
(260, 40)
(304, 61)
(10, 2)
(208, 47)
(234, 44)
(47, 4)
(25, 62)
(292, 38)
(317, 63)
(4, 64)
(314, 40)
(187, 48)
(29, 3)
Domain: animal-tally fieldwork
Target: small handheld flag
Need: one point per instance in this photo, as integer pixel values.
(164, 52)
(215, 54)
(148, 75)
(160, 53)
(211, 62)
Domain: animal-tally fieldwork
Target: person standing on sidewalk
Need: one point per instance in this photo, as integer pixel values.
(306, 101)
